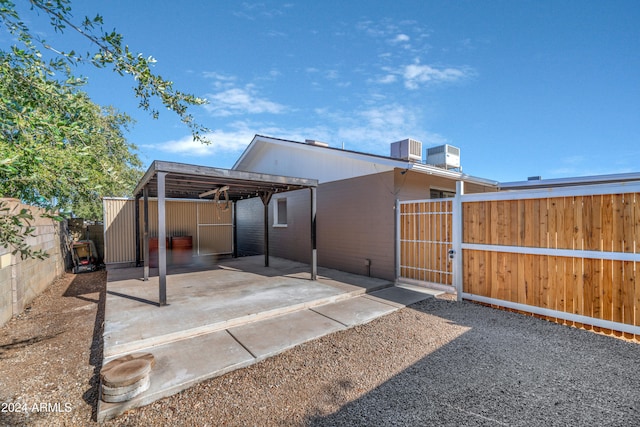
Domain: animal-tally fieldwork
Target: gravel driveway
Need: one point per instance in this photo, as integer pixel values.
(437, 362)
(506, 369)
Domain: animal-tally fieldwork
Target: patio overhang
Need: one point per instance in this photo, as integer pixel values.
(165, 180)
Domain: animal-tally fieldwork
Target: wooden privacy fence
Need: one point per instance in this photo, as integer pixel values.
(569, 254)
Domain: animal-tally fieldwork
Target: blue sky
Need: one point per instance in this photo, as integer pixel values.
(524, 88)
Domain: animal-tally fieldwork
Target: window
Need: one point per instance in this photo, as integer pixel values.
(280, 213)
(435, 193)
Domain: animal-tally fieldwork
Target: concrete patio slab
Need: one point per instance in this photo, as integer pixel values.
(181, 364)
(230, 316)
(212, 298)
(355, 311)
(272, 336)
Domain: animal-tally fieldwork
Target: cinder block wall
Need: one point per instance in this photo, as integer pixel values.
(21, 280)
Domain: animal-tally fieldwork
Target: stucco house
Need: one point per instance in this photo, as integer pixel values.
(356, 199)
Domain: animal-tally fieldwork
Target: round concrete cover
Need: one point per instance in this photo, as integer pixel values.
(127, 370)
(120, 395)
(116, 391)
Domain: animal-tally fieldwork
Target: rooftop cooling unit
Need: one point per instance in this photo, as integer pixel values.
(407, 149)
(444, 156)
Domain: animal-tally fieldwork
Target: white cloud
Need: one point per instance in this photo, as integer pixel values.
(417, 74)
(331, 74)
(218, 76)
(222, 141)
(401, 38)
(235, 101)
(373, 129)
(389, 78)
(235, 139)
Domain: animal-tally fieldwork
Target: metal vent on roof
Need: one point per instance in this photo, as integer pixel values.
(316, 143)
(444, 156)
(407, 149)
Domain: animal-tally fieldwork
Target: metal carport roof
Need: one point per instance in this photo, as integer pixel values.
(178, 180)
(189, 181)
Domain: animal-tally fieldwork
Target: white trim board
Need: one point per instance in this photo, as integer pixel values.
(571, 317)
(571, 253)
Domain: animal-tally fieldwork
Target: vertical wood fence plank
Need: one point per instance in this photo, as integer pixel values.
(578, 230)
(513, 222)
(628, 293)
(597, 295)
(569, 224)
(543, 221)
(607, 222)
(628, 224)
(587, 290)
(587, 223)
(607, 290)
(552, 213)
(544, 281)
(618, 223)
(560, 227)
(617, 287)
(511, 278)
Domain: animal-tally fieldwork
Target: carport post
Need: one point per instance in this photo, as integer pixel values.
(162, 239)
(137, 228)
(266, 198)
(235, 229)
(314, 251)
(145, 228)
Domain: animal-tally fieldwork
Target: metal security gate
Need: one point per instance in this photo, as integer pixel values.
(425, 233)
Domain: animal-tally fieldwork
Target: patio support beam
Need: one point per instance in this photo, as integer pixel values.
(314, 250)
(162, 240)
(145, 228)
(137, 228)
(266, 198)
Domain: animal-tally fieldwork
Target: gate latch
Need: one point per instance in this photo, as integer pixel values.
(452, 253)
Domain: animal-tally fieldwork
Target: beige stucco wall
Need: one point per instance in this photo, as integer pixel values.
(21, 280)
(355, 221)
(413, 185)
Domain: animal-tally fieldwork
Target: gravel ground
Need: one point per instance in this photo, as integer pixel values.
(437, 362)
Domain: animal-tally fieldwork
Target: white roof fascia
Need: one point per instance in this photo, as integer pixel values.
(564, 182)
(457, 176)
(245, 153)
(371, 158)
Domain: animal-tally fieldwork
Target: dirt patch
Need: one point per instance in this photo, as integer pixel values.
(49, 357)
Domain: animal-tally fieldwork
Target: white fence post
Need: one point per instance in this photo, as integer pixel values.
(457, 239)
(397, 241)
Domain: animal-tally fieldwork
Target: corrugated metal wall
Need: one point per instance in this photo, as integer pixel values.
(119, 231)
(210, 225)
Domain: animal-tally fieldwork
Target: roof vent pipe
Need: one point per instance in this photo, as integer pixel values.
(316, 143)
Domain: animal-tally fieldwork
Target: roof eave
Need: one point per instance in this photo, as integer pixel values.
(457, 176)
(572, 181)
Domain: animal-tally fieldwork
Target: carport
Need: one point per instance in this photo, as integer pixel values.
(165, 180)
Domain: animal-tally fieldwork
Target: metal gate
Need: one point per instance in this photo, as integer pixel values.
(425, 229)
